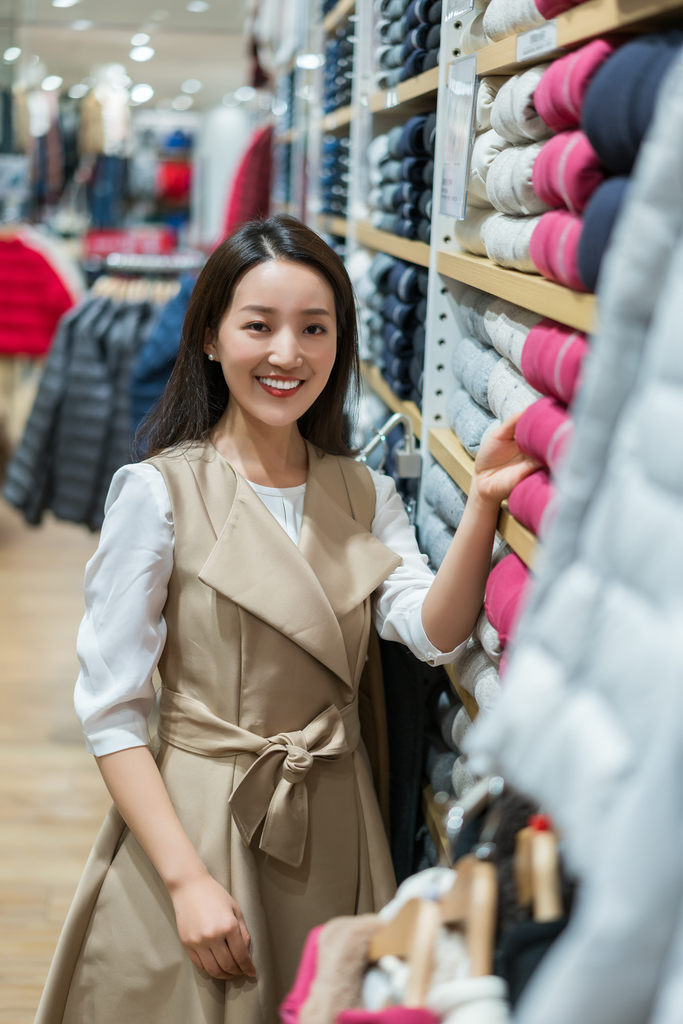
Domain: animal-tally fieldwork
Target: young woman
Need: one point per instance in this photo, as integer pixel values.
(247, 557)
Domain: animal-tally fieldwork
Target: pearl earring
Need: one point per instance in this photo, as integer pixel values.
(211, 357)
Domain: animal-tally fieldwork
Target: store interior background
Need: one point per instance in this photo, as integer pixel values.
(189, 104)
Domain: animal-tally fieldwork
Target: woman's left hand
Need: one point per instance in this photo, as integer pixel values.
(500, 465)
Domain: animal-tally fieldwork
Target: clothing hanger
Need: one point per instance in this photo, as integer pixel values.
(411, 935)
(536, 867)
(472, 904)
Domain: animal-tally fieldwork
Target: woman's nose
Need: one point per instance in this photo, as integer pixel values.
(285, 351)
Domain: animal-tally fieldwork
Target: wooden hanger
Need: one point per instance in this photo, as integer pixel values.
(411, 935)
(472, 904)
(537, 873)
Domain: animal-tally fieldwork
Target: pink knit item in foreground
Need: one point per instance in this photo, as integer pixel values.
(291, 1005)
(529, 500)
(391, 1015)
(559, 95)
(551, 359)
(551, 8)
(554, 248)
(567, 171)
(506, 590)
(543, 432)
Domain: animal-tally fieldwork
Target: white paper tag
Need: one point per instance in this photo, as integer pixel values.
(391, 99)
(462, 87)
(456, 8)
(537, 41)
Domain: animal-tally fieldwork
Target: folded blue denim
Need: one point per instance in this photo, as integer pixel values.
(412, 169)
(413, 66)
(402, 314)
(429, 134)
(468, 420)
(395, 9)
(406, 193)
(444, 495)
(408, 211)
(421, 311)
(428, 173)
(416, 374)
(392, 170)
(394, 140)
(393, 57)
(424, 204)
(433, 38)
(423, 281)
(396, 32)
(381, 268)
(384, 221)
(415, 40)
(412, 137)
(398, 369)
(435, 540)
(418, 337)
(401, 388)
(434, 16)
(403, 281)
(599, 219)
(407, 229)
(397, 343)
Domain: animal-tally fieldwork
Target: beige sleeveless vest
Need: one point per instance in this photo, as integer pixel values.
(259, 749)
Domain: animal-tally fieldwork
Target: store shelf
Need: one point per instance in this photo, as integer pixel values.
(414, 88)
(337, 119)
(376, 381)
(435, 816)
(589, 19)
(289, 136)
(383, 241)
(330, 225)
(339, 12)
(471, 706)
(449, 453)
(577, 309)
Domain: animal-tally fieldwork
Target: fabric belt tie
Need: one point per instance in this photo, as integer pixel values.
(283, 802)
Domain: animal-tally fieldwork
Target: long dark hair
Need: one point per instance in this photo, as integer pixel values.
(196, 395)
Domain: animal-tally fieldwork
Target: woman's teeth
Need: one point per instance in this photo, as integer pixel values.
(281, 385)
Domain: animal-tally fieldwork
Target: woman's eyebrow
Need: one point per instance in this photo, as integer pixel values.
(271, 309)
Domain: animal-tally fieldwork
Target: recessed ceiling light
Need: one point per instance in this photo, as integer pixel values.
(310, 61)
(77, 92)
(141, 53)
(11, 54)
(182, 103)
(141, 93)
(121, 81)
(65, 3)
(230, 100)
(51, 83)
(139, 39)
(82, 25)
(245, 93)
(197, 6)
(192, 85)
(32, 61)
(279, 107)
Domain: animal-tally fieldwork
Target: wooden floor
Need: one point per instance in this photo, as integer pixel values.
(52, 799)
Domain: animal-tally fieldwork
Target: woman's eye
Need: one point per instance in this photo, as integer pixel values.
(257, 325)
(314, 329)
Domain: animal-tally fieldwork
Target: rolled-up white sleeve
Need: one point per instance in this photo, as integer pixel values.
(123, 631)
(398, 601)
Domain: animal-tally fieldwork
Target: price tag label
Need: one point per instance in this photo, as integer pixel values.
(537, 42)
(462, 89)
(456, 8)
(391, 98)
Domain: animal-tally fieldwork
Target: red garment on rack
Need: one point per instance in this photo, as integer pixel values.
(250, 193)
(173, 179)
(32, 299)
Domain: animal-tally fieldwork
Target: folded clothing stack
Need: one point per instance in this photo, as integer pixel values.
(395, 293)
(402, 172)
(447, 501)
(509, 17)
(506, 590)
(338, 75)
(407, 39)
(334, 175)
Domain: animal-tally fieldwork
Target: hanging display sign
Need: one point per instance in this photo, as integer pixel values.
(456, 8)
(537, 42)
(460, 106)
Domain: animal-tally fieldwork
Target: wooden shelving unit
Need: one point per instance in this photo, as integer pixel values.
(592, 18)
(339, 12)
(372, 375)
(435, 816)
(330, 225)
(337, 119)
(415, 88)
(471, 706)
(449, 453)
(576, 309)
(383, 241)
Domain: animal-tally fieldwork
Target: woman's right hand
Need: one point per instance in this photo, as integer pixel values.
(211, 928)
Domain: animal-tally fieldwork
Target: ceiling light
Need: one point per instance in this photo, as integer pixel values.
(197, 6)
(51, 83)
(279, 107)
(82, 26)
(245, 93)
(192, 85)
(310, 61)
(65, 3)
(11, 54)
(141, 93)
(141, 53)
(182, 103)
(139, 39)
(77, 92)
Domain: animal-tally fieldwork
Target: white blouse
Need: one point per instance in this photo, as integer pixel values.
(123, 631)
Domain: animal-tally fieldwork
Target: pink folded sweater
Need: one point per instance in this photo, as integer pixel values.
(554, 247)
(559, 95)
(551, 8)
(506, 589)
(551, 359)
(529, 500)
(543, 431)
(567, 171)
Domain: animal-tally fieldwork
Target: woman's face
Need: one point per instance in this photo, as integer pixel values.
(277, 342)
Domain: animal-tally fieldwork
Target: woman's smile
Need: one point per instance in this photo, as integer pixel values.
(281, 387)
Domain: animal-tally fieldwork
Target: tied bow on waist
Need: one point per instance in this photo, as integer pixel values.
(282, 802)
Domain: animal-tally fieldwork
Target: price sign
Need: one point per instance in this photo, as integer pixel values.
(537, 42)
(462, 89)
(456, 8)
(391, 98)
